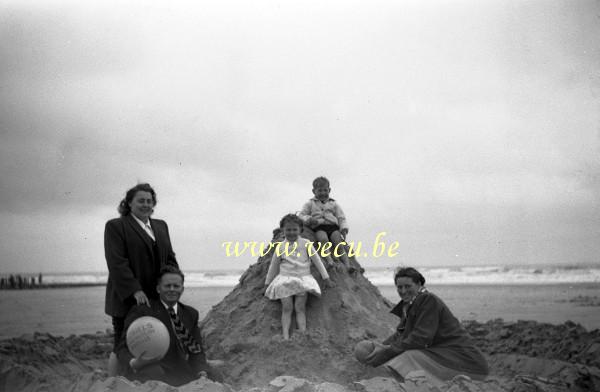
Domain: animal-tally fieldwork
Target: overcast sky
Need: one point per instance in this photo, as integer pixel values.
(469, 131)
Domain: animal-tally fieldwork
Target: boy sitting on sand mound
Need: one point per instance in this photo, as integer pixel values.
(325, 217)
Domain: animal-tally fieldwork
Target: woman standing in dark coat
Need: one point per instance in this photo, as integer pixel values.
(135, 248)
(428, 338)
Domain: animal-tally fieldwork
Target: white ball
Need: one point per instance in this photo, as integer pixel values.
(149, 336)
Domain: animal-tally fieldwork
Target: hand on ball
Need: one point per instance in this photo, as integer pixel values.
(140, 362)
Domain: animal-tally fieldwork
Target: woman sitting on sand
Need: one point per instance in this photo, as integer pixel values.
(428, 338)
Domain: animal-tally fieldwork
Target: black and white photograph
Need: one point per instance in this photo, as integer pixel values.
(300, 196)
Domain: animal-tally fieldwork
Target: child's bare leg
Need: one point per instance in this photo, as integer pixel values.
(336, 239)
(322, 238)
(300, 308)
(287, 306)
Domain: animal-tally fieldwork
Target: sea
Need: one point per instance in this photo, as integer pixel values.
(382, 276)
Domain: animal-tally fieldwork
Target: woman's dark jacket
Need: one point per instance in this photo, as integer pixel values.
(431, 327)
(134, 261)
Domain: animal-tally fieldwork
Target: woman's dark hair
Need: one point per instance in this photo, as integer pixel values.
(124, 208)
(170, 269)
(293, 218)
(409, 272)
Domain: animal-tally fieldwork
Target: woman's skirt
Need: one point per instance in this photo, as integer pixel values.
(286, 286)
(416, 360)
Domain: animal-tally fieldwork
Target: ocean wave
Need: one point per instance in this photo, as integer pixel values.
(491, 275)
(192, 279)
(485, 275)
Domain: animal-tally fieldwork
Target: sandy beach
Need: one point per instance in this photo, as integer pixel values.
(533, 337)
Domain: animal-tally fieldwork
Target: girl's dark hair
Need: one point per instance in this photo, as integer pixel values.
(409, 272)
(293, 218)
(124, 208)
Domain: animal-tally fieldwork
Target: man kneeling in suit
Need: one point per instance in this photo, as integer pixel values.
(185, 360)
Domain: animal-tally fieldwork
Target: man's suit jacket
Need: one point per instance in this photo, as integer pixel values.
(178, 366)
(134, 261)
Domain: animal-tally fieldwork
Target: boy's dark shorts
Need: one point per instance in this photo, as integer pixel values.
(329, 229)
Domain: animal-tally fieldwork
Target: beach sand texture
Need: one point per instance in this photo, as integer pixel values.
(523, 356)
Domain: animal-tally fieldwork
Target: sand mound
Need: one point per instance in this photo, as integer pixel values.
(245, 330)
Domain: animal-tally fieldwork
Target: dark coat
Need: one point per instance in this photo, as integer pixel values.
(178, 366)
(431, 327)
(134, 261)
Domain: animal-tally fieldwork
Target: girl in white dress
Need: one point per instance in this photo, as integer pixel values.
(289, 278)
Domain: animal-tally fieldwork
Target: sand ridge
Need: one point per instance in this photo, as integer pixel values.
(245, 330)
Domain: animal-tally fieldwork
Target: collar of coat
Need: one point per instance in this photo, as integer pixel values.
(397, 310)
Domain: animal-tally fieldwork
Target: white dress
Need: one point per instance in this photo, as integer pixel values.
(293, 271)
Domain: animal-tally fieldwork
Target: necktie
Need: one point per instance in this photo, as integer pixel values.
(183, 335)
(150, 231)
